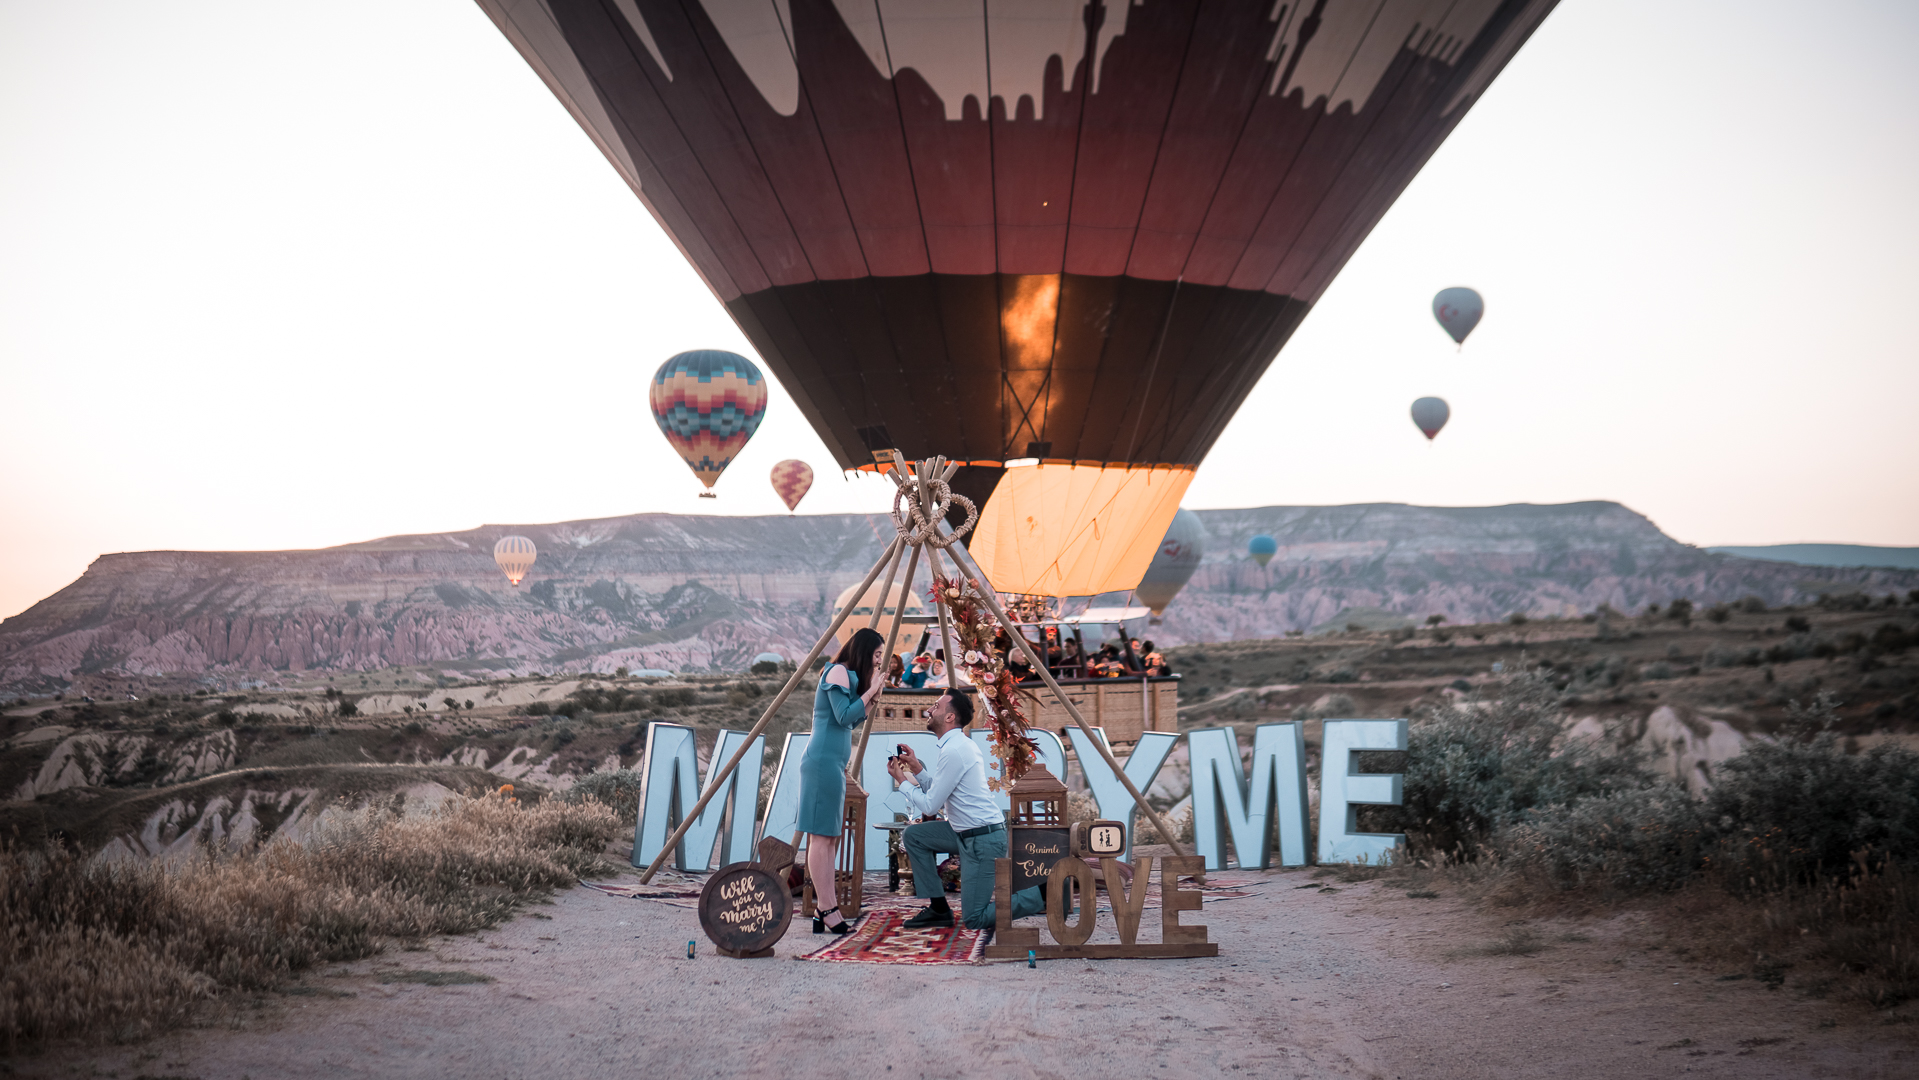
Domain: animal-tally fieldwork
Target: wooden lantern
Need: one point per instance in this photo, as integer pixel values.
(847, 875)
(1039, 799)
(1039, 837)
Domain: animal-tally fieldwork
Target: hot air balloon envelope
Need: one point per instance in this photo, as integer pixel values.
(1431, 414)
(1458, 310)
(708, 403)
(791, 479)
(1173, 564)
(1262, 548)
(1046, 229)
(515, 554)
(1056, 530)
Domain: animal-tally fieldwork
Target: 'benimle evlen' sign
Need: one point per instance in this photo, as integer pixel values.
(1033, 852)
(1249, 810)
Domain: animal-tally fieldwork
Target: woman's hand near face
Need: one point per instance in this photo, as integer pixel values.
(877, 681)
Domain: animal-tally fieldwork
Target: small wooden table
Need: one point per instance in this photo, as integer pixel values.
(899, 868)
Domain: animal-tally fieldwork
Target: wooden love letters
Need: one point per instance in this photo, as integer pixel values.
(1070, 874)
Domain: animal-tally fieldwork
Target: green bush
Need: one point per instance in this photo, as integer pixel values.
(618, 789)
(1475, 768)
(1802, 807)
(1630, 840)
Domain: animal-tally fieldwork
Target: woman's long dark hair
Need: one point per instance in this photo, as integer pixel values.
(857, 656)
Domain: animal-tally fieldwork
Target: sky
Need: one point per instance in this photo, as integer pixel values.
(279, 275)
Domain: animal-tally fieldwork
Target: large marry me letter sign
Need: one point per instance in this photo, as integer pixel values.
(1251, 810)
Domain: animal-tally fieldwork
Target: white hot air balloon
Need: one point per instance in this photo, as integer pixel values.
(1431, 414)
(515, 554)
(1173, 564)
(1458, 310)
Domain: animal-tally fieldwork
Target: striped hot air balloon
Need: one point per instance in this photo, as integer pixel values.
(792, 479)
(515, 554)
(708, 403)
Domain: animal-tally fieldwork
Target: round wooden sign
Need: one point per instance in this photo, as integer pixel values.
(744, 908)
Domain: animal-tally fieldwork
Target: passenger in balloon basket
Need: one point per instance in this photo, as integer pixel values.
(915, 676)
(840, 703)
(974, 828)
(895, 672)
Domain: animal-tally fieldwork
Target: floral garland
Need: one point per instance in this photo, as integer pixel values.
(975, 627)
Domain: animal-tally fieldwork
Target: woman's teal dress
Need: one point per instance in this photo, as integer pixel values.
(836, 712)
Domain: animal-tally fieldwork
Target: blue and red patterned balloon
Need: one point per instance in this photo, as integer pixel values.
(708, 403)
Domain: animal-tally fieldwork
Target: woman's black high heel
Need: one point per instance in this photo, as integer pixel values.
(820, 927)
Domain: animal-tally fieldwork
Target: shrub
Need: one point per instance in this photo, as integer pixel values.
(1803, 808)
(618, 789)
(765, 667)
(1680, 611)
(1517, 618)
(1797, 624)
(622, 672)
(98, 949)
(1435, 620)
(1628, 840)
(536, 708)
(1719, 613)
(1473, 769)
(1660, 670)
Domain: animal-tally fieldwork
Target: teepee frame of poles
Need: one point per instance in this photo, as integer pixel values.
(924, 530)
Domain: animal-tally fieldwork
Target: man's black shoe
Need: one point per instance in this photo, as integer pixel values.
(929, 919)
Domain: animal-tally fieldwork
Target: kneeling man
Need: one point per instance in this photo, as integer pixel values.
(974, 829)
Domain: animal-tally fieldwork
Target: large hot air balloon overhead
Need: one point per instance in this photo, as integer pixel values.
(1173, 564)
(1430, 415)
(1075, 231)
(792, 479)
(515, 556)
(1458, 311)
(708, 403)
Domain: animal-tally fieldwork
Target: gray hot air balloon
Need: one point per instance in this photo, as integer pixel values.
(1458, 310)
(1431, 413)
(1173, 564)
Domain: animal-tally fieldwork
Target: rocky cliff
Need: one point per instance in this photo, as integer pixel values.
(706, 593)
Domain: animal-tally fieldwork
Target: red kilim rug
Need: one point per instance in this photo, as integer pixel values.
(880, 939)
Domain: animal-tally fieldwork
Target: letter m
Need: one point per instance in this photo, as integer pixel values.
(1225, 801)
(669, 788)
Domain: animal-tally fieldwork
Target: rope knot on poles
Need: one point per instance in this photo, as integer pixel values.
(919, 526)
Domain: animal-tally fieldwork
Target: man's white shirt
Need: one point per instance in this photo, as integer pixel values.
(957, 782)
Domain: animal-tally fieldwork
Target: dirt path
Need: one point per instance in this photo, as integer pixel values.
(1354, 981)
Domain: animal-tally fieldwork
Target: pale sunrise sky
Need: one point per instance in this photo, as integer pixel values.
(281, 275)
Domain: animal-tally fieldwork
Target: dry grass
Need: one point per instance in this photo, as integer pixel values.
(115, 951)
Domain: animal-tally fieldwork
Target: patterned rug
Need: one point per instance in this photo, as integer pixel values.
(880, 939)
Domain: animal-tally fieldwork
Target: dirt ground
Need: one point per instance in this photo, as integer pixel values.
(1313, 980)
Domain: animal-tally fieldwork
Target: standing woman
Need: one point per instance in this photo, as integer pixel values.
(847, 687)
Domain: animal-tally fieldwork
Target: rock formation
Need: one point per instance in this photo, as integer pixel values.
(707, 593)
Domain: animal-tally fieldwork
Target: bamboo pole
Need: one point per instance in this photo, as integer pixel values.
(892, 638)
(891, 569)
(719, 781)
(964, 560)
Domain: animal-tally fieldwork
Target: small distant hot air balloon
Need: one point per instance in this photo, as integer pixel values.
(708, 403)
(792, 479)
(515, 554)
(1173, 564)
(1458, 310)
(1262, 548)
(1431, 413)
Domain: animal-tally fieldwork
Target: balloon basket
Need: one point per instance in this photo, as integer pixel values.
(708, 495)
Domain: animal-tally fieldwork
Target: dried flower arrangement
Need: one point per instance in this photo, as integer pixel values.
(976, 628)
